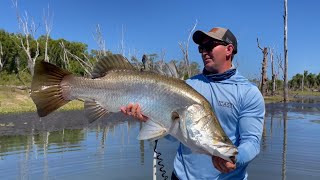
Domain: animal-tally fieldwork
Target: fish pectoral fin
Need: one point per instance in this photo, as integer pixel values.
(94, 110)
(151, 131)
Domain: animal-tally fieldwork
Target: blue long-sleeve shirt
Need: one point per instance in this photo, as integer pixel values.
(240, 109)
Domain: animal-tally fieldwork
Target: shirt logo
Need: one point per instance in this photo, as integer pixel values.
(225, 104)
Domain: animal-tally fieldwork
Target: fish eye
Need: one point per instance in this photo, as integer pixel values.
(175, 116)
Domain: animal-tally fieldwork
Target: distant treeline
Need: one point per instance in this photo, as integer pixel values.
(73, 56)
(306, 80)
(14, 58)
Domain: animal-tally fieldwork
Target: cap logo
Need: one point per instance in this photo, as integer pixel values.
(228, 40)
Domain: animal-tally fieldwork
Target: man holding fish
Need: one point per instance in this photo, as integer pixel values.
(217, 115)
(238, 105)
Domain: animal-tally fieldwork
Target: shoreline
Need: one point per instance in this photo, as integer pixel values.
(17, 100)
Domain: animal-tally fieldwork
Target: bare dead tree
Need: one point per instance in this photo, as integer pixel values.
(278, 69)
(86, 65)
(28, 28)
(133, 54)
(162, 55)
(48, 21)
(1, 55)
(273, 74)
(302, 82)
(17, 62)
(264, 79)
(280, 64)
(122, 46)
(64, 56)
(98, 37)
(285, 18)
(185, 50)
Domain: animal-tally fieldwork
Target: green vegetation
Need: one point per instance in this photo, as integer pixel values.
(21, 79)
(16, 66)
(13, 100)
(72, 56)
(15, 75)
(306, 81)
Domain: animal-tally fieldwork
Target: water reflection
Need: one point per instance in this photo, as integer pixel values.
(289, 142)
(64, 146)
(37, 148)
(284, 149)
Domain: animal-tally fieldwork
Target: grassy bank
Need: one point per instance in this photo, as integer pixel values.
(292, 95)
(13, 100)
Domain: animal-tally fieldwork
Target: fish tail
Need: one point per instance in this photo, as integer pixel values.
(46, 89)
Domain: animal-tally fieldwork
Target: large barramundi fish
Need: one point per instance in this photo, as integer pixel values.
(172, 106)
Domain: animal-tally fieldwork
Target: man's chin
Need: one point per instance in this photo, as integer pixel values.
(210, 68)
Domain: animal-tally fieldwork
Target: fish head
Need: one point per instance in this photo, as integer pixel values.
(202, 133)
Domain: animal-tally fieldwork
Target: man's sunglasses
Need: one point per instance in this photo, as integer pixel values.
(209, 45)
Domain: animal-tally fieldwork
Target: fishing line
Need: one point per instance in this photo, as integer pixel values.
(160, 161)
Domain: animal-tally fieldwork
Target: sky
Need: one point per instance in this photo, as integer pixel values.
(157, 26)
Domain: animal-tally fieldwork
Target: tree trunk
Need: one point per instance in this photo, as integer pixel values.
(1, 54)
(264, 78)
(285, 17)
(302, 83)
(273, 74)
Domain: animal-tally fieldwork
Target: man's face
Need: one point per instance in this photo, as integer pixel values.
(214, 55)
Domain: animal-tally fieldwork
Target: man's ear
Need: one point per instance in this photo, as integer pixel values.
(229, 49)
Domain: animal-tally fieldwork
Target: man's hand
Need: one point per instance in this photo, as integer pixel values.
(222, 165)
(135, 111)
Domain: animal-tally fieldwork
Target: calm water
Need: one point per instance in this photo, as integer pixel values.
(64, 146)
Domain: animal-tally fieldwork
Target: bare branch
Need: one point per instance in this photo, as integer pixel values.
(162, 55)
(87, 66)
(98, 37)
(185, 50)
(88, 63)
(65, 55)
(48, 25)
(280, 64)
(264, 78)
(28, 29)
(259, 44)
(1, 54)
(122, 46)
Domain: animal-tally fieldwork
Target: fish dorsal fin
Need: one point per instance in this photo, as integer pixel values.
(94, 111)
(110, 62)
(167, 69)
(151, 131)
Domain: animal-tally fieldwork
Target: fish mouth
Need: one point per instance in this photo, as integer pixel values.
(226, 151)
(233, 159)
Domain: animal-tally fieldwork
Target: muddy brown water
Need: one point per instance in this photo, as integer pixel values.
(64, 146)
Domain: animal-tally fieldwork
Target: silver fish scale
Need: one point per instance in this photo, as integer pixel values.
(158, 100)
(159, 96)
